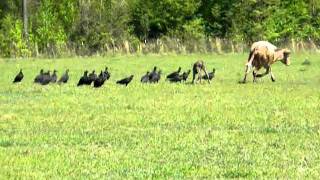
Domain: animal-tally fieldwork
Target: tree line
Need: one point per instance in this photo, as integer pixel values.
(87, 27)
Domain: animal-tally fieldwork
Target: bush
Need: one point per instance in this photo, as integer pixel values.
(12, 43)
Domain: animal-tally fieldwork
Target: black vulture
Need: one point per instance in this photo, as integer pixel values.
(54, 77)
(125, 81)
(98, 82)
(155, 78)
(177, 78)
(39, 77)
(84, 80)
(153, 73)
(185, 75)
(107, 74)
(211, 74)
(18, 77)
(92, 76)
(174, 74)
(145, 78)
(65, 77)
(46, 78)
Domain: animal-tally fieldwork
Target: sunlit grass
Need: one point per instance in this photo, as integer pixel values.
(221, 130)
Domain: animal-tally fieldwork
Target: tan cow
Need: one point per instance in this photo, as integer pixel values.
(264, 56)
(271, 48)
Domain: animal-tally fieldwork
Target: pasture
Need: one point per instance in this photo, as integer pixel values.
(218, 130)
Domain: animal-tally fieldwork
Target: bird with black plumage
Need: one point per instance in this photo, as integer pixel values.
(18, 77)
(46, 78)
(99, 81)
(92, 76)
(210, 76)
(174, 74)
(145, 78)
(84, 80)
(54, 77)
(154, 76)
(39, 77)
(64, 78)
(107, 74)
(125, 81)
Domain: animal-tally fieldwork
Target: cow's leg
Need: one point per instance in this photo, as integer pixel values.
(248, 65)
(254, 74)
(199, 75)
(268, 68)
(193, 76)
(272, 76)
(248, 68)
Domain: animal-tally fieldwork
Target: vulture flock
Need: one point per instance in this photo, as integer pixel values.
(97, 80)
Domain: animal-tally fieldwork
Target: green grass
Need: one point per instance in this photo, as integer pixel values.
(221, 130)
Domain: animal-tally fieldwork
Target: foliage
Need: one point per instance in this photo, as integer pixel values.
(12, 42)
(88, 27)
(49, 32)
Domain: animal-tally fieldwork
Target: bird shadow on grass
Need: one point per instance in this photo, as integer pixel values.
(196, 84)
(189, 83)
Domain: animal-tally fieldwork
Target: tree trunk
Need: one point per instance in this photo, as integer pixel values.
(25, 20)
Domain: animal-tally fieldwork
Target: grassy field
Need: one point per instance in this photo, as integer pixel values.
(165, 130)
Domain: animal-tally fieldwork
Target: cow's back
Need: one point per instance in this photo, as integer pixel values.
(260, 44)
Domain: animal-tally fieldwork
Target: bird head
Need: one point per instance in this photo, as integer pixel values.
(101, 74)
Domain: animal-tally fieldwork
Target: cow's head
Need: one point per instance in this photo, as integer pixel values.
(284, 56)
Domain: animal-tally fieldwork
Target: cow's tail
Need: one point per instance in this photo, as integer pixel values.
(251, 57)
